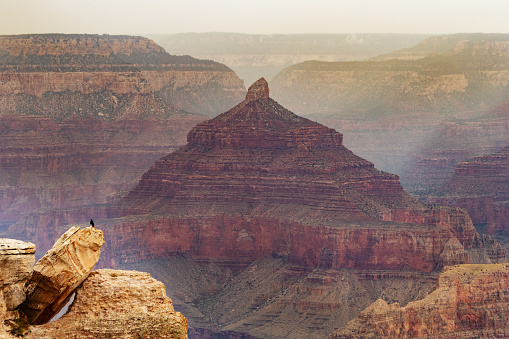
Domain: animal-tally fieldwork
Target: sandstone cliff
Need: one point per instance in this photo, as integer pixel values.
(108, 303)
(470, 302)
(59, 272)
(118, 304)
(17, 262)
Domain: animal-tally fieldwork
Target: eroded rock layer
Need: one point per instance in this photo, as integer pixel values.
(83, 116)
(481, 186)
(51, 68)
(16, 262)
(470, 301)
(260, 180)
(120, 304)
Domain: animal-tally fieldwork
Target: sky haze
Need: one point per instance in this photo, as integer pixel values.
(257, 17)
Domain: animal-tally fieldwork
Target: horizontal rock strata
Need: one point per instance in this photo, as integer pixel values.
(470, 301)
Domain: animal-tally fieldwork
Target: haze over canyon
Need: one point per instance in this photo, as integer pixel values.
(274, 186)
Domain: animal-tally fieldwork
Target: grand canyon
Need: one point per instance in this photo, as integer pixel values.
(270, 212)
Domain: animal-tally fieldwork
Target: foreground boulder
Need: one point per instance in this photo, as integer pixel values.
(471, 301)
(118, 304)
(16, 262)
(62, 269)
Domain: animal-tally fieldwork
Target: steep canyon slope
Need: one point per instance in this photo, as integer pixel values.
(481, 186)
(83, 116)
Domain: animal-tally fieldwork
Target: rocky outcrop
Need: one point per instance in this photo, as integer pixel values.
(107, 303)
(60, 272)
(121, 304)
(470, 301)
(17, 262)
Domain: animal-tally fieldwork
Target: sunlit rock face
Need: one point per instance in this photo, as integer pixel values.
(59, 272)
(470, 301)
(123, 304)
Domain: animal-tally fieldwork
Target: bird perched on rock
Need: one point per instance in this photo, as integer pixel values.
(92, 223)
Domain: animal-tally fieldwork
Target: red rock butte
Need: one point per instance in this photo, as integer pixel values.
(259, 180)
(259, 121)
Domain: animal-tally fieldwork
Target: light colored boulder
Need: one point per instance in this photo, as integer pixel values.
(117, 304)
(62, 269)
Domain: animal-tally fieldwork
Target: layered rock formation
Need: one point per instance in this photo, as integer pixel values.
(17, 262)
(83, 116)
(267, 181)
(470, 301)
(120, 304)
(255, 55)
(260, 182)
(387, 108)
(41, 70)
(60, 272)
(481, 186)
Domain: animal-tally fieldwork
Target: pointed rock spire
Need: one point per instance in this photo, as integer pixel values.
(258, 90)
(261, 122)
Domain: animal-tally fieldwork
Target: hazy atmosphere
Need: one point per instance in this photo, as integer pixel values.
(209, 169)
(263, 17)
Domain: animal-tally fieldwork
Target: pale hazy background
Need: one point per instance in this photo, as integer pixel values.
(259, 16)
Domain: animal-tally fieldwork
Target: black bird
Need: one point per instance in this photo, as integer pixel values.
(92, 223)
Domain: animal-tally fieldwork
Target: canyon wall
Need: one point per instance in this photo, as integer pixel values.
(388, 108)
(470, 301)
(83, 116)
(254, 55)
